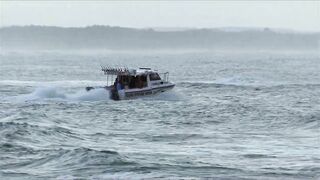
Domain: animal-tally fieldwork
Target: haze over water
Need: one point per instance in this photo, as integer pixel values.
(239, 115)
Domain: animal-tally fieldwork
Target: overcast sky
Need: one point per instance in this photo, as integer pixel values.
(296, 15)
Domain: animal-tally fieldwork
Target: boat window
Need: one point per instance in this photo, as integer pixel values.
(143, 79)
(137, 81)
(124, 80)
(154, 77)
(132, 83)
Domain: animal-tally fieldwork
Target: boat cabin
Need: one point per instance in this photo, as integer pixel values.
(135, 78)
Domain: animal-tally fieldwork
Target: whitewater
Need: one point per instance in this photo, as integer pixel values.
(232, 115)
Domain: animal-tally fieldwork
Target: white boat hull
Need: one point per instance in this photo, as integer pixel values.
(134, 93)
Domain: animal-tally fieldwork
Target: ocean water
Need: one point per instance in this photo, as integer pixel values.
(232, 115)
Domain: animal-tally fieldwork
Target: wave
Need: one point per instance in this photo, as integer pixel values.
(16, 131)
(258, 156)
(53, 162)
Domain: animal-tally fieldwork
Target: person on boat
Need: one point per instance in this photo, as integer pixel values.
(118, 86)
(120, 92)
(115, 84)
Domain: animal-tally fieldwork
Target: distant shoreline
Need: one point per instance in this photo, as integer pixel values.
(120, 38)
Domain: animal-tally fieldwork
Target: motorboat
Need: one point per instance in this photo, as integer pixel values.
(132, 83)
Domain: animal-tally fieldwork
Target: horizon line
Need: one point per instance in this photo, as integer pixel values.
(178, 28)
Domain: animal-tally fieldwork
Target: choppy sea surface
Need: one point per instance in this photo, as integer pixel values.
(231, 115)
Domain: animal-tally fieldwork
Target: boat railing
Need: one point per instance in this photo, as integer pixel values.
(115, 71)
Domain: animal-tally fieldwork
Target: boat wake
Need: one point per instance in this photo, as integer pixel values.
(60, 83)
(99, 94)
(55, 93)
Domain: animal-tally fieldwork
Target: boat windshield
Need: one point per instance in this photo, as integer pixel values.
(154, 77)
